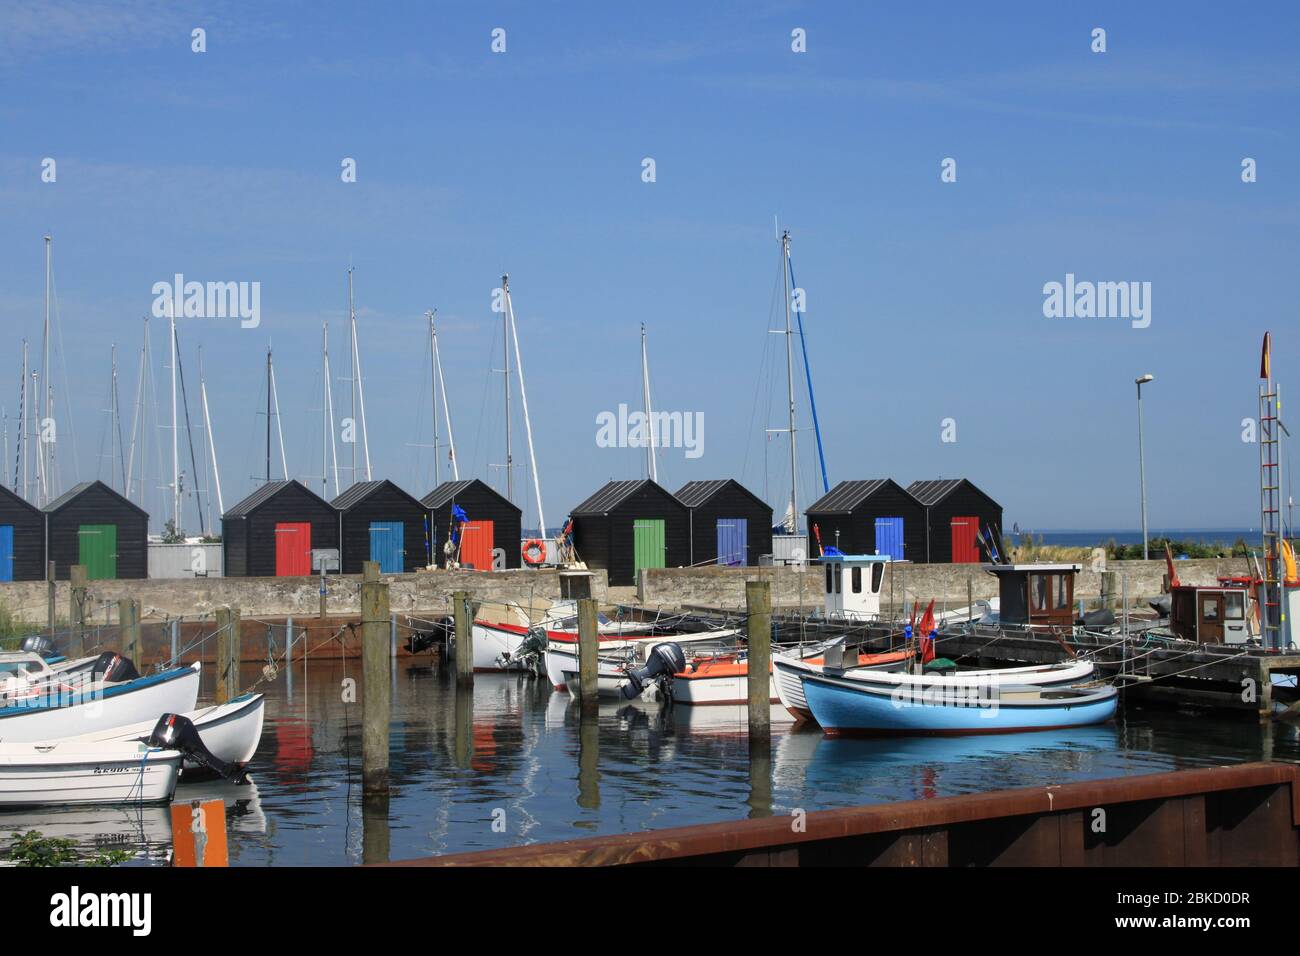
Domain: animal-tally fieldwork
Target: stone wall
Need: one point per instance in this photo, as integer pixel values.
(423, 591)
(946, 583)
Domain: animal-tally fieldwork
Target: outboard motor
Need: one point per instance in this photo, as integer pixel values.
(38, 644)
(665, 660)
(113, 668)
(421, 641)
(174, 732)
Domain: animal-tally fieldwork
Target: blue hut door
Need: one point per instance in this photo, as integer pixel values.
(6, 552)
(733, 541)
(387, 546)
(889, 537)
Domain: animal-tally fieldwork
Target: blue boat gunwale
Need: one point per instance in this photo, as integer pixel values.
(34, 705)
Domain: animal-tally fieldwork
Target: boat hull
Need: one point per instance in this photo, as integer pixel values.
(114, 705)
(787, 674)
(231, 731)
(67, 773)
(847, 707)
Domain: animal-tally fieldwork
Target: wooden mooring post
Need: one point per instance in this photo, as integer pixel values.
(228, 653)
(588, 664)
(758, 615)
(77, 610)
(376, 679)
(463, 611)
(128, 622)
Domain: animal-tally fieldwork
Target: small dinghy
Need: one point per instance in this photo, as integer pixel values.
(562, 651)
(787, 672)
(76, 772)
(230, 731)
(79, 772)
(109, 694)
(725, 679)
(842, 705)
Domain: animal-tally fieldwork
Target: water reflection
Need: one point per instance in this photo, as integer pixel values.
(507, 762)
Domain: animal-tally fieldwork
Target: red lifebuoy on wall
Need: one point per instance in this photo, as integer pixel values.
(534, 551)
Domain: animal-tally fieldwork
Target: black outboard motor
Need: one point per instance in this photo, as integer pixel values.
(665, 660)
(113, 668)
(421, 641)
(174, 732)
(38, 644)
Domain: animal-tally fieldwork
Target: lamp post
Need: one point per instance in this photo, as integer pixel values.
(1142, 470)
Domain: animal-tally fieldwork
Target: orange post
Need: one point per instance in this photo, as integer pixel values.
(199, 833)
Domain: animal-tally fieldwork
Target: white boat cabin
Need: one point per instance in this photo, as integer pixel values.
(853, 583)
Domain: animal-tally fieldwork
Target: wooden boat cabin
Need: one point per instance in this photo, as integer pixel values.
(1212, 615)
(273, 532)
(853, 583)
(92, 525)
(1036, 595)
(22, 539)
(729, 524)
(873, 516)
(378, 521)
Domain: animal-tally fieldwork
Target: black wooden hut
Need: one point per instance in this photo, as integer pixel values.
(92, 525)
(957, 513)
(630, 525)
(273, 531)
(494, 522)
(728, 523)
(378, 521)
(22, 539)
(869, 516)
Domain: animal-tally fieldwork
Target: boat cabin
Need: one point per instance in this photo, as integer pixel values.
(1211, 615)
(853, 583)
(1035, 595)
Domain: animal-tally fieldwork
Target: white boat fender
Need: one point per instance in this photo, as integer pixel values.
(174, 732)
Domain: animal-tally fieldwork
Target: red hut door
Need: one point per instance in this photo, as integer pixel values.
(292, 549)
(476, 542)
(965, 549)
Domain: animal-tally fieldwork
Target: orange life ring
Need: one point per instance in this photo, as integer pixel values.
(534, 551)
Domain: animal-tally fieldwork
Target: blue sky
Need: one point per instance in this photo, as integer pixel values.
(924, 298)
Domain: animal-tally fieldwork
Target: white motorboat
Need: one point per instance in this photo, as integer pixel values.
(230, 731)
(562, 649)
(82, 772)
(88, 701)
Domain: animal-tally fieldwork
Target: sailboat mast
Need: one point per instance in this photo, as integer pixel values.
(789, 379)
(505, 349)
(433, 390)
(268, 414)
(176, 460)
(329, 411)
(212, 441)
(324, 411)
(528, 425)
(47, 454)
(279, 426)
(652, 470)
(23, 448)
(446, 409)
(352, 332)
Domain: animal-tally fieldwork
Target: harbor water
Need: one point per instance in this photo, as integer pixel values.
(511, 763)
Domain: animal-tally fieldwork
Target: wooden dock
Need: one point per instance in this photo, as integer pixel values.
(1242, 815)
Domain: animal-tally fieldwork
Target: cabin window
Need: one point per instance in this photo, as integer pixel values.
(1038, 590)
(877, 574)
(1210, 608)
(1062, 591)
(830, 589)
(857, 580)
(839, 578)
(1234, 605)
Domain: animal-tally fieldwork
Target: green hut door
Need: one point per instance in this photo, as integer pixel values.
(648, 544)
(97, 551)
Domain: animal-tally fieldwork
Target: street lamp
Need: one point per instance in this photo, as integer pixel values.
(1142, 469)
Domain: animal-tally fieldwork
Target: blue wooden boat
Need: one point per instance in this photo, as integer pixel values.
(846, 706)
